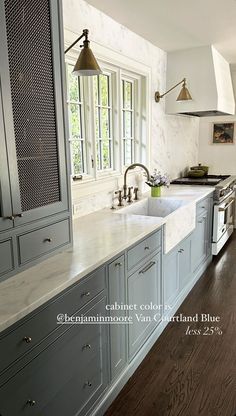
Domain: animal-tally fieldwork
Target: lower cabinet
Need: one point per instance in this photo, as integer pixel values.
(177, 271)
(185, 253)
(144, 289)
(66, 377)
(117, 296)
(201, 237)
(183, 262)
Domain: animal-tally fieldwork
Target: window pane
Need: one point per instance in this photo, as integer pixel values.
(99, 154)
(95, 88)
(127, 94)
(128, 124)
(128, 159)
(105, 124)
(76, 149)
(106, 154)
(75, 124)
(104, 83)
(74, 91)
(97, 123)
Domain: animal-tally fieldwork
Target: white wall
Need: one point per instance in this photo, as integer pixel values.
(221, 158)
(174, 139)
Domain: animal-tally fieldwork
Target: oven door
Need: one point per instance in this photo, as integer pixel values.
(223, 217)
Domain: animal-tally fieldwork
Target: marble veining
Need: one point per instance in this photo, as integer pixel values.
(98, 237)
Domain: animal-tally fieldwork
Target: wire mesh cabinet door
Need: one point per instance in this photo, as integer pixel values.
(6, 220)
(33, 100)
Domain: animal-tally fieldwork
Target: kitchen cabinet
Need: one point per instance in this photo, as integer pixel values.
(34, 178)
(171, 277)
(117, 296)
(201, 237)
(185, 252)
(144, 289)
(183, 262)
(177, 271)
(67, 377)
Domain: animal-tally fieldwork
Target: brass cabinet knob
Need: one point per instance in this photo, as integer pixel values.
(27, 339)
(18, 215)
(88, 383)
(31, 402)
(48, 240)
(11, 218)
(86, 347)
(118, 264)
(146, 248)
(85, 294)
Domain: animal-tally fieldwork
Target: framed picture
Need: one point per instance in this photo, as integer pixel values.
(223, 133)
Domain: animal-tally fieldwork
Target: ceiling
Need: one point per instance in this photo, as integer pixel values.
(178, 24)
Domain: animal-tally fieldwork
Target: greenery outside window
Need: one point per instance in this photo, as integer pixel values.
(103, 121)
(76, 122)
(128, 121)
(108, 121)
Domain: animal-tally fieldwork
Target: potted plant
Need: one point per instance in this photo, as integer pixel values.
(156, 181)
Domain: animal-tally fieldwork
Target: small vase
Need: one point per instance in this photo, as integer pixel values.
(155, 191)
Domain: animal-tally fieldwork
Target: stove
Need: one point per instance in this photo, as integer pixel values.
(209, 180)
(223, 206)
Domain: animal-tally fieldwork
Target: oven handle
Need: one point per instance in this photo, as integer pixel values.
(227, 206)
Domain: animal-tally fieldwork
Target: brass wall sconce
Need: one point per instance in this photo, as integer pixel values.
(184, 94)
(86, 63)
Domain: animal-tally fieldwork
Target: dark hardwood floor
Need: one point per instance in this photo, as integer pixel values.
(186, 375)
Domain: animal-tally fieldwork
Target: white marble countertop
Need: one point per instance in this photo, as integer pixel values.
(98, 237)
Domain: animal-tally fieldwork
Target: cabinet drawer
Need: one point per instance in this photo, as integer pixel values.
(6, 256)
(143, 249)
(39, 242)
(203, 206)
(61, 380)
(33, 331)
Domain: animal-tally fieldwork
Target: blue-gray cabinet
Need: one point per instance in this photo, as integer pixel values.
(183, 262)
(34, 175)
(171, 277)
(201, 236)
(67, 377)
(184, 252)
(117, 331)
(144, 292)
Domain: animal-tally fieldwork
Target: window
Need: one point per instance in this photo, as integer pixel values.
(128, 121)
(103, 122)
(76, 122)
(107, 121)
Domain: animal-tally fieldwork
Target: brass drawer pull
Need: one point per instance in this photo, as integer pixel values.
(146, 248)
(88, 383)
(18, 215)
(86, 347)
(85, 294)
(48, 240)
(147, 268)
(27, 339)
(31, 402)
(118, 264)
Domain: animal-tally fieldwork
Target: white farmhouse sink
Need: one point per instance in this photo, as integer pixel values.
(179, 216)
(154, 207)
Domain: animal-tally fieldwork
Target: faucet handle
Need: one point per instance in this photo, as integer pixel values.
(120, 198)
(130, 194)
(136, 193)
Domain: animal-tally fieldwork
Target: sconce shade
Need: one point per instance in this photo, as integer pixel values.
(184, 94)
(86, 63)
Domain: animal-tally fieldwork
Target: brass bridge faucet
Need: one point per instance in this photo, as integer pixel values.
(134, 165)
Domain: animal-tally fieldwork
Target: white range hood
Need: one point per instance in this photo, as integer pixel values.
(208, 80)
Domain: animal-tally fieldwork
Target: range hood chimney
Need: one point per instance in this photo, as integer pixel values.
(209, 81)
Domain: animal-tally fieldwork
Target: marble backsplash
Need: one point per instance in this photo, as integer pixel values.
(174, 139)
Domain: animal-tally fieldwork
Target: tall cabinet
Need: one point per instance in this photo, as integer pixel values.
(34, 179)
